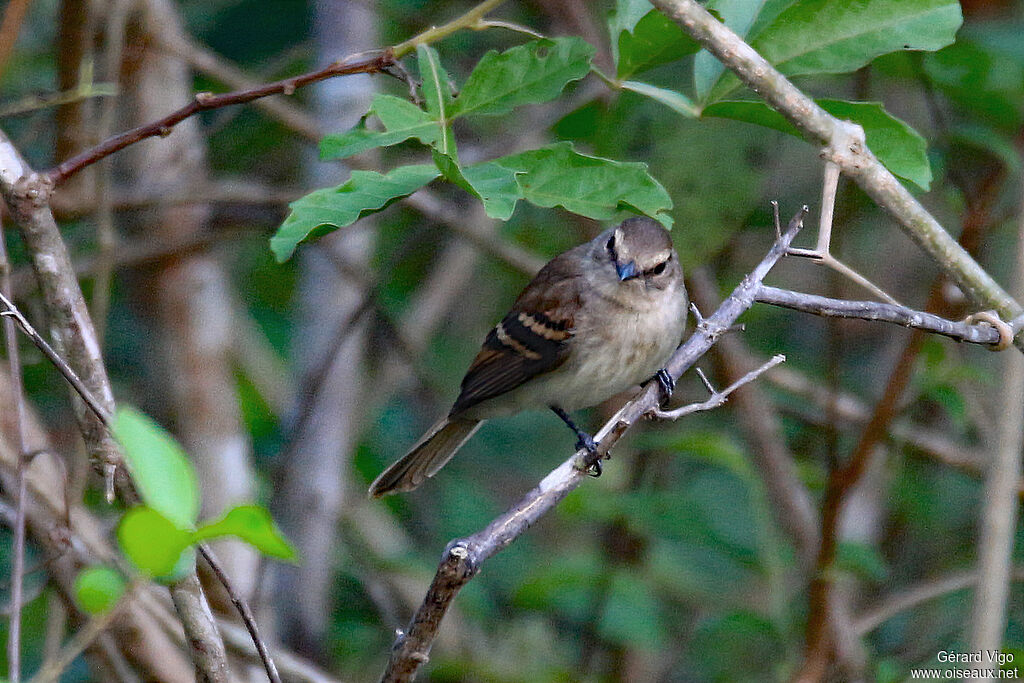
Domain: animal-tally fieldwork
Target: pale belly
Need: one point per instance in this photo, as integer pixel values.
(617, 355)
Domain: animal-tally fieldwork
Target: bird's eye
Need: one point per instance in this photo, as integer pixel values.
(660, 268)
(611, 243)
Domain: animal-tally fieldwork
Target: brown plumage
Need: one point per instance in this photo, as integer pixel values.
(595, 320)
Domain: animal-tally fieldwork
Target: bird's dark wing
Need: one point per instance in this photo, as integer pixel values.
(532, 339)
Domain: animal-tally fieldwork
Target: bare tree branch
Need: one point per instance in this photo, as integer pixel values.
(843, 144)
(463, 557)
(975, 333)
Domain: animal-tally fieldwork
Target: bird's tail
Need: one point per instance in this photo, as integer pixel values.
(431, 452)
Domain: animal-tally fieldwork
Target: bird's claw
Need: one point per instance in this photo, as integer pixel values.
(667, 384)
(587, 443)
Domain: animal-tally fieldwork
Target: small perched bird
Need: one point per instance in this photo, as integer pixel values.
(596, 320)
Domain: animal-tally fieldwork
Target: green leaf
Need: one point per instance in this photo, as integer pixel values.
(401, 119)
(364, 193)
(534, 72)
(631, 613)
(437, 94)
(987, 82)
(835, 36)
(151, 541)
(496, 187)
(643, 38)
(738, 15)
(675, 101)
(97, 589)
(159, 467)
(557, 175)
(252, 524)
(898, 146)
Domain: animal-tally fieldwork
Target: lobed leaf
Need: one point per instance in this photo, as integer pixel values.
(159, 467)
(557, 175)
(365, 192)
(401, 119)
(898, 146)
(534, 72)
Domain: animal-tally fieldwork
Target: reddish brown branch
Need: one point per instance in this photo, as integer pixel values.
(375, 61)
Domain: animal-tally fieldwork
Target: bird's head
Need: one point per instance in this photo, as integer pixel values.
(640, 251)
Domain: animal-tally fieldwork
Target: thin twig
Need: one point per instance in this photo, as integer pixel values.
(29, 103)
(51, 671)
(244, 611)
(717, 398)
(463, 557)
(367, 62)
(893, 605)
(374, 61)
(11, 312)
(21, 439)
(976, 333)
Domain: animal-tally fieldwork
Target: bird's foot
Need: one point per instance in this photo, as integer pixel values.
(666, 383)
(584, 442)
(587, 443)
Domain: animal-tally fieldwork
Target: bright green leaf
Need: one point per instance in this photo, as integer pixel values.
(495, 186)
(365, 192)
(643, 38)
(898, 146)
(97, 589)
(151, 541)
(534, 72)
(437, 94)
(834, 36)
(401, 119)
(557, 175)
(252, 524)
(676, 101)
(159, 467)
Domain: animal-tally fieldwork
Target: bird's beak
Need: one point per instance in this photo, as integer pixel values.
(625, 270)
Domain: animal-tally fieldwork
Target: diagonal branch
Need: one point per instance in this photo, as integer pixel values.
(463, 557)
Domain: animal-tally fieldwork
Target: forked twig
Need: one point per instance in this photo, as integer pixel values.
(717, 398)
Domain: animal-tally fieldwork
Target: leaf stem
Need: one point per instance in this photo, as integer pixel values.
(436, 33)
